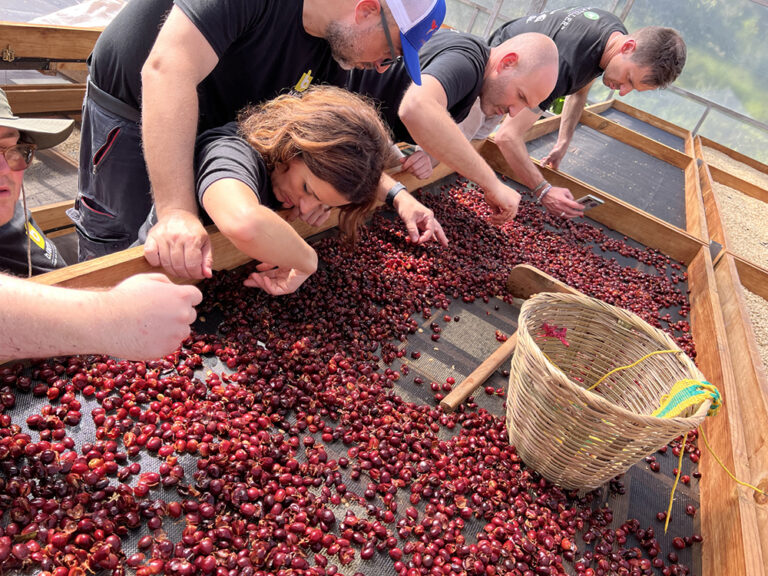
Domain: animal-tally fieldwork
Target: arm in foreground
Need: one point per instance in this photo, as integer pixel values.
(180, 59)
(287, 260)
(569, 119)
(424, 112)
(511, 141)
(143, 317)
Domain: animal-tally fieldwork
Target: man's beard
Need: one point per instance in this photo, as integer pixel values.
(340, 41)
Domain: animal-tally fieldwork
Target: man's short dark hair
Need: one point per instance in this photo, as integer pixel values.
(662, 50)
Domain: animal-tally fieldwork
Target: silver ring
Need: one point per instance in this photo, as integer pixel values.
(562, 214)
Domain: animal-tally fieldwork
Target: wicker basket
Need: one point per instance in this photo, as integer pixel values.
(578, 438)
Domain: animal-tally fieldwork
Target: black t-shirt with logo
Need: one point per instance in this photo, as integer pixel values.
(455, 59)
(580, 34)
(221, 153)
(13, 247)
(262, 47)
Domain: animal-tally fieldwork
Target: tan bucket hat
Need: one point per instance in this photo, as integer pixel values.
(45, 132)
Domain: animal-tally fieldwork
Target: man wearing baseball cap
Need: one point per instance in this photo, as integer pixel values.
(38, 320)
(24, 249)
(163, 71)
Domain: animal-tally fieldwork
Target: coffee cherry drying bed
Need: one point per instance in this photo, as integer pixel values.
(301, 434)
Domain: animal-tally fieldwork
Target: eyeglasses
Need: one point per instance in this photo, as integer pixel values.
(395, 57)
(19, 156)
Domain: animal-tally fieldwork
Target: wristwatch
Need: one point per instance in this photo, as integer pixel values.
(394, 191)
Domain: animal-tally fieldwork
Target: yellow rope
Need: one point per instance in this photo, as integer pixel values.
(677, 479)
(703, 437)
(715, 405)
(596, 384)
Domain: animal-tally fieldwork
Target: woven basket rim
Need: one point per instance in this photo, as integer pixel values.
(588, 396)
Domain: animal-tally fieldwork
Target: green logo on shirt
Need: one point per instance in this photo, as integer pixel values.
(592, 15)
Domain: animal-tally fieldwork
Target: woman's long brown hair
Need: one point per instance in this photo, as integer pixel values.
(339, 135)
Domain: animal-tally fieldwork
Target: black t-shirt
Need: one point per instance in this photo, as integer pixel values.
(455, 59)
(13, 247)
(580, 34)
(220, 153)
(262, 47)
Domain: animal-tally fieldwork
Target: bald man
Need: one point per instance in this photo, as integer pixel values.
(462, 76)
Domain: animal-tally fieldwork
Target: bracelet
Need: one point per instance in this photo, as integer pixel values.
(547, 188)
(540, 186)
(392, 192)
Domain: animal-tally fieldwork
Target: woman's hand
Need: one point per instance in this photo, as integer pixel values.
(276, 280)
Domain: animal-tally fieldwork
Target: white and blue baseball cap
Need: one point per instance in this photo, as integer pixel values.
(417, 20)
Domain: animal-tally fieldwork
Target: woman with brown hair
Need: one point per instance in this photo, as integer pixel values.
(309, 152)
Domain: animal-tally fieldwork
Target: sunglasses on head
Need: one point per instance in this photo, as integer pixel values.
(395, 57)
(19, 156)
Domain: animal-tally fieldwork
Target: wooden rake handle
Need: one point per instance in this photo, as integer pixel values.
(479, 375)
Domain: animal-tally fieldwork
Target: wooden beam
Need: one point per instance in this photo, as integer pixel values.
(635, 139)
(736, 183)
(28, 100)
(42, 41)
(743, 158)
(753, 277)
(650, 119)
(53, 216)
(601, 106)
(614, 213)
(110, 270)
(729, 515)
(695, 212)
(542, 128)
(752, 391)
(711, 207)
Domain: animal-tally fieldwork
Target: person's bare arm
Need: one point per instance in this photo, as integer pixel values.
(418, 219)
(569, 119)
(143, 317)
(256, 230)
(510, 139)
(424, 112)
(180, 59)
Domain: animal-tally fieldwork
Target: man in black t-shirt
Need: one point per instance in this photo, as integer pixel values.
(164, 70)
(461, 75)
(590, 42)
(24, 249)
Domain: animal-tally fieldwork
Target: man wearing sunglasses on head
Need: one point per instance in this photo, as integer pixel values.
(143, 317)
(164, 71)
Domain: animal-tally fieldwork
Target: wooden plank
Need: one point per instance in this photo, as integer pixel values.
(635, 139)
(756, 164)
(110, 270)
(650, 119)
(552, 123)
(542, 127)
(46, 101)
(690, 148)
(601, 106)
(711, 207)
(743, 186)
(525, 280)
(695, 212)
(729, 516)
(53, 216)
(41, 41)
(8, 88)
(752, 389)
(753, 277)
(614, 213)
